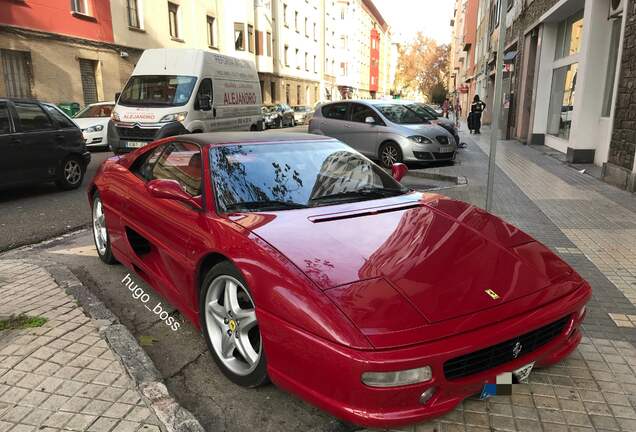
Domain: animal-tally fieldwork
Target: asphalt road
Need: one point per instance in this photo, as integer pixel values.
(35, 213)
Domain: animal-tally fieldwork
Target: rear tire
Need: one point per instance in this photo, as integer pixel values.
(231, 329)
(71, 173)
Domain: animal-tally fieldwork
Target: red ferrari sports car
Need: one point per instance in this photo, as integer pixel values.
(304, 263)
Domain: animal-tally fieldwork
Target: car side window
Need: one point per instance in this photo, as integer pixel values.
(336, 111)
(59, 117)
(360, 112)
(205, 89)
(143, 166)
(181, 162)
(5, 121)
(32, 117)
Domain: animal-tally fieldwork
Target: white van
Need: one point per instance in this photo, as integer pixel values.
(203, 91)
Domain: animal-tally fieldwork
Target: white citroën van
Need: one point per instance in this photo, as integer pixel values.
(204, 91)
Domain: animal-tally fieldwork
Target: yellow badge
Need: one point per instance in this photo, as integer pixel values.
(492, 294)
(232, 325)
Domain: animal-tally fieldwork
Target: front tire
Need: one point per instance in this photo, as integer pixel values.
(390, 153)
(100, 232)
(230, 327)
(71, 173)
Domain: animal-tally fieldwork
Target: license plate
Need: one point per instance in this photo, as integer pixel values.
(523, 373)
(135, 144)
(445, 149)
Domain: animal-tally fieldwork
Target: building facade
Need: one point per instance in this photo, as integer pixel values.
(567, 78)
(61, 51)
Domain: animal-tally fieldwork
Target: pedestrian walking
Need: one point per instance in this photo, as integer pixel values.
(474, 118)
(458, 112)
(445, 107)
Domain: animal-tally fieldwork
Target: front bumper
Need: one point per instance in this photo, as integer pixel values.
(329, 375)
(126, 137)
(96, 139)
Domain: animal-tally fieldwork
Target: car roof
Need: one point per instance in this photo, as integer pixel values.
(102, 103)
(221, 138)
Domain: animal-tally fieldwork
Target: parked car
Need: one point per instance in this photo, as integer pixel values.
(280, 115)
(93, 120)
(39, 144)
(302, 114)
(202, 90)
(431, 115)
(389, 131)
(303, 262)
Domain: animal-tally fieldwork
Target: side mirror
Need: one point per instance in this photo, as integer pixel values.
(171, 190)
(369, 120)
(398, 171)
(205, 103)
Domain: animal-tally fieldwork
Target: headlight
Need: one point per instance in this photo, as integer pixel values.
(115, 116)
(399, 378)
(420, 139)
(95, 128)
(174, 117)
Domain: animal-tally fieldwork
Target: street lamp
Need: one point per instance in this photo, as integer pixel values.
(497, 102)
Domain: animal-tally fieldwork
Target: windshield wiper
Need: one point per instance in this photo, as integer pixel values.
(359, 193)
(264, 205)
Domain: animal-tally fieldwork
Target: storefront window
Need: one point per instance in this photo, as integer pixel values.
(562, 100)
(610, 78)
(569, 36)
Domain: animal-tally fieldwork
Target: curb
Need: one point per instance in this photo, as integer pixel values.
(140, 368)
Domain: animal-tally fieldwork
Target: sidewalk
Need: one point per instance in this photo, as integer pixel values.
(62, 375)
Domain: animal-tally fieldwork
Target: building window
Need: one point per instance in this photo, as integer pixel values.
(315, 64)
(173, 12)
(272, 90)
(211, 31)
(562, 101)
(569, 36)
(80, 6)
(298, 95)
(239, 36)
(610, 77)
(296, 26)
(133, 14)
(315, 32)
(306, 27)
(287, 94)
(16, 73)
(259, 43)
(250, 38)
(286, 55)
(297, 59)
(307, 62)
(269, 44)
(285, 21)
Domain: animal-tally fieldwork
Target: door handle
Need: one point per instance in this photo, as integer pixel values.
(15, 140)
(59, 136)
(347, 126)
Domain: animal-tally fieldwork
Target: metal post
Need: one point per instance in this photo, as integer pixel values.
(497, 102)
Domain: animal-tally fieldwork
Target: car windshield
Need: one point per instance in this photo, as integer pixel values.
(283, 176)
(401, 114)
(424, 111)
(301, 108)
(95, 111)
(157, 90)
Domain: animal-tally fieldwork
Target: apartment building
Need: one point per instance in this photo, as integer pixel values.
(61, 51)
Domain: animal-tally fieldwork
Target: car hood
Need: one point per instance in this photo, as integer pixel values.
(428, 256)
(86, 122)
(425, 129)
(444, 121)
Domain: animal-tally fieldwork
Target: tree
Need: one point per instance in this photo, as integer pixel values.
(422, 68)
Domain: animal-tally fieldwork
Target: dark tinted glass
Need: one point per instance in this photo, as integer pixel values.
(360, 112)
(205, 89)
(32, 117)
(59, 117)
(291, 175)
(181, 162)
(158, 90)
(5, 122)
(401, 114)
(335, 111)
